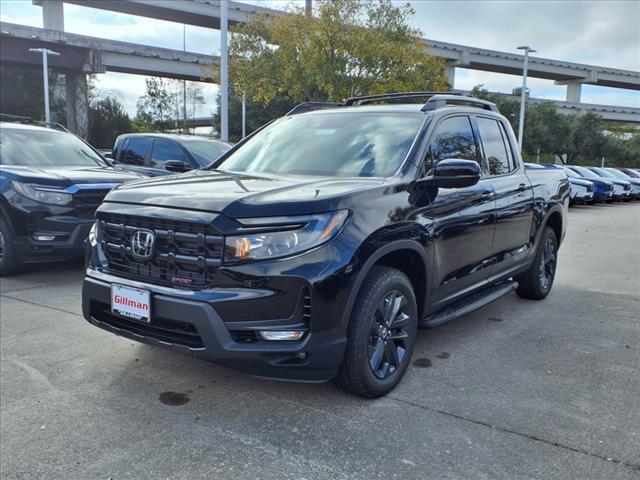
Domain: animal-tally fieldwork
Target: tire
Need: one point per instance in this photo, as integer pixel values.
(536, 282)
(9, 263)
(380, 341)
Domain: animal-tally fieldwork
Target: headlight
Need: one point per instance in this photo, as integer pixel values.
(42, 194)
(93, 234)
(311, 231)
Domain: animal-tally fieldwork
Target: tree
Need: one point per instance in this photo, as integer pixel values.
(22, 93)
(349, 47)
(155, 105)
(257, 113)
(163, 103)
(107, 120)
(509, 108)
(194, 100)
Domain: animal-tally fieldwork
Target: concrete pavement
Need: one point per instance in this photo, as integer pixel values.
(516, 390)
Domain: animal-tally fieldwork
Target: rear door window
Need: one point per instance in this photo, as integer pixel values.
(136, 151)
(164, 150)
(493, 145)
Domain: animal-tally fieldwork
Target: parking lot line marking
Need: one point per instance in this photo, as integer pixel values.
(41, 305)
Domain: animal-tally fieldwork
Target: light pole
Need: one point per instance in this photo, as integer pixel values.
(45, 77)
(224, 72)
(527, 50)
(244, 115)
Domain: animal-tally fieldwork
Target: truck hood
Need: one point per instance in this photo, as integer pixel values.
(66, 176)
(241, 195)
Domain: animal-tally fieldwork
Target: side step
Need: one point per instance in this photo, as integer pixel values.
(469, 304)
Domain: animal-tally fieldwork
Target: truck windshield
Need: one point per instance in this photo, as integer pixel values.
(206, 151)
(329, 144)
(585, 172)
(603, 173)
(617, 174)
(45, 149)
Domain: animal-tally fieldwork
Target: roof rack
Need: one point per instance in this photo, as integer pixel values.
(442, 100)
(391, 96)
(309, 106)
(6, 117)
(435, 101)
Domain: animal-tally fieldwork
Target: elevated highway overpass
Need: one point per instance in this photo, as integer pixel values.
(84, 54)
(206, 13)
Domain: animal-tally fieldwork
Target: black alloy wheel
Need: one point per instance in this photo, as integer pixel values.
(387, 345)
(547, 263)
(381, 334)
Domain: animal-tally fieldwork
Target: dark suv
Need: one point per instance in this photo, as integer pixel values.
(316, 247)
(51, 183)
(156, 154)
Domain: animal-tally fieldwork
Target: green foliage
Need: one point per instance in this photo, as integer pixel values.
(576, 139)
(155, 106)
(347, 48)
(168, 103)
(22, 93)
(107, 120)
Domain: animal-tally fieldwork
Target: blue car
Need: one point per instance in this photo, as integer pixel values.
(604, 189)
(635, 182)
(581, 192)
(621, 187)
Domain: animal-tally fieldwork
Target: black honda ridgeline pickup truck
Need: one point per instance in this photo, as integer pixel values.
(315, 248)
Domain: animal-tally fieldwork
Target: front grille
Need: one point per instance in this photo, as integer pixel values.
(165, 330)
(185, 254)
(627, 187)
(87, 201)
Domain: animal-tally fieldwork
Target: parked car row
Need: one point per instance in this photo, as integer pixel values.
(52, 182)
(598, 184)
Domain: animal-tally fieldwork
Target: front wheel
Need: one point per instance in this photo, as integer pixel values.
(381, 334)
(9, 263)
(536, 282)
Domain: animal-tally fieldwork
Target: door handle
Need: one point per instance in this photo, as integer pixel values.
(487, 194)
(522, 187)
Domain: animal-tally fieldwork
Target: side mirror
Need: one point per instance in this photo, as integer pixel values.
(176, 166)
(454, 173)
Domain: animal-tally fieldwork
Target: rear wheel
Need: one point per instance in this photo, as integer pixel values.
(9, 263)
(381, 334)
(536, 282)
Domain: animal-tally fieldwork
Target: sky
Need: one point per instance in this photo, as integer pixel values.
(604, 33)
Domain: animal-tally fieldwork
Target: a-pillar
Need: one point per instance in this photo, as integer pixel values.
(77, 103)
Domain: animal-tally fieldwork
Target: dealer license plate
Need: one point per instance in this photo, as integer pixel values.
(131, 302)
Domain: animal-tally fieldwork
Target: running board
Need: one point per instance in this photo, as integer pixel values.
(469, 304)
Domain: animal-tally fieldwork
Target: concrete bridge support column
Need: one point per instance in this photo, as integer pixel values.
(574, 91)
(77, 103)
(450, 70)
(52, 14)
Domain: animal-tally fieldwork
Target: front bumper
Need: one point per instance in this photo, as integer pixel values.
(582, 196)
(69, 234)
(192, 322)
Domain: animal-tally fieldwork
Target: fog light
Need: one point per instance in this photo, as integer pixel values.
(282, 335)
(44, 238)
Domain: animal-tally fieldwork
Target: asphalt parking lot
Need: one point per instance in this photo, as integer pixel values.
(516, 390)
